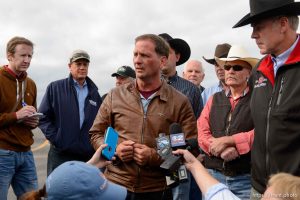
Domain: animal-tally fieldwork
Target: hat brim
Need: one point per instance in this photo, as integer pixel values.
(114, 191)
(83, 58)
(251, 61)
(118, 74)
(289, 9)
(210, 61)
(182, 47)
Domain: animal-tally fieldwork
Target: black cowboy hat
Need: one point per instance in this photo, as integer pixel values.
(221, 51)
(180, 46)
(261, 9)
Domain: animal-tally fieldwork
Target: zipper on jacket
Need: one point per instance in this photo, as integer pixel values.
(229, 123)
(280, 92)
(267, 133)
(142, 142)
(226, 133)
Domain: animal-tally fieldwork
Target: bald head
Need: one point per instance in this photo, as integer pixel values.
(193, 71)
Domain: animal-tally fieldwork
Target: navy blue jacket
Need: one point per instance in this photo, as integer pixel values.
(61, 124)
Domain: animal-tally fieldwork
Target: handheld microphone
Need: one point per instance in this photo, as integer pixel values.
(172, 165)
(177, 136)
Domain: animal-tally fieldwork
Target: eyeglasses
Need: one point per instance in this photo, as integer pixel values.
(234, 67)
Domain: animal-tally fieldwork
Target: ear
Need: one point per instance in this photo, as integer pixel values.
(9, 56)
(284, 24)
(163, 61)
(177, 57)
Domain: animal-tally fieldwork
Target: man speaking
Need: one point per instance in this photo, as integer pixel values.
(139, 111)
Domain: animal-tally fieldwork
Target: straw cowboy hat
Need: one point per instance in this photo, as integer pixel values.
(180, 46)
(262, 9)
(221, 51)
(237, 52)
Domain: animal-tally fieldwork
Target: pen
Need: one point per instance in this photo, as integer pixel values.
(24, 104)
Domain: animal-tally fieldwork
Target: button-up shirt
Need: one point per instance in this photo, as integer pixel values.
(82, 92)
(190, 90)
(280, 60)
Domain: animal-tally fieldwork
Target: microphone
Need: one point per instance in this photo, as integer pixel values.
(172, 165)
(177, 138)
(175, 128)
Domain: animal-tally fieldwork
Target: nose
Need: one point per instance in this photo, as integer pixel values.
(253, 34)
(118, 82)
(136, 59)
(27, 59)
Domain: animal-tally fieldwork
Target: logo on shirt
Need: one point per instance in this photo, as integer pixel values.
(261, 82)
(93, 103)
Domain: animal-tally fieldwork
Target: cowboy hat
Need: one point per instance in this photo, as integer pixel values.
(238, 53)
(180, 46)
(221, 51)
(262, 9)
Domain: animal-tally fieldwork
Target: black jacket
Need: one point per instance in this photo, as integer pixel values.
(275, 108)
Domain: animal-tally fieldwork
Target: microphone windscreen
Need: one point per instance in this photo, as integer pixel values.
(193, 143)
(175, 128)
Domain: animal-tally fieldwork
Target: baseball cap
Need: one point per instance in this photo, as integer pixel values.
(78, 180)
(79, 54)
(125, 71)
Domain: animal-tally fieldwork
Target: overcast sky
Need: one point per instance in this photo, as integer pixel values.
(106, 29)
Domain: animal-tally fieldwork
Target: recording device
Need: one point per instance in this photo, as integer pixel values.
(172, 166)
(111, 139)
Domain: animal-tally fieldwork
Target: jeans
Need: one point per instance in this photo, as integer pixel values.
(195, 192)
(18, 170)
(56, 158)
(182, 191)
(239, 185)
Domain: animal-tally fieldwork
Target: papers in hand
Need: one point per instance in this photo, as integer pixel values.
(36, 115)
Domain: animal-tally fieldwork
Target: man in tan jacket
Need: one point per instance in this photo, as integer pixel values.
(139, 111)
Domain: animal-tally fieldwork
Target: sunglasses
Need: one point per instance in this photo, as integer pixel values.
(234, 67)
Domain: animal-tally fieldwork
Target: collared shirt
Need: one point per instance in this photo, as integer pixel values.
(190, 90)
(280, 60)
(242, 140)
(82, 93)
(220, 191)
(234, 101)
(208, 92)
(146, 102)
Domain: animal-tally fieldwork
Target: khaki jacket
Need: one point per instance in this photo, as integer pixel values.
(123, 110)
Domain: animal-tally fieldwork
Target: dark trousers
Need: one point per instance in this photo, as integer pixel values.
(56, 158)
(161, 195)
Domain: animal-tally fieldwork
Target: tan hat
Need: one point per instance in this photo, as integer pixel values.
(79, 54)
(221, 51)
(237, 52)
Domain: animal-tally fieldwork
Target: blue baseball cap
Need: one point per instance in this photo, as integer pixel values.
(79, 180)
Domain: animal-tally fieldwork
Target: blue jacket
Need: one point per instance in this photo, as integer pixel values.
(61, 124)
